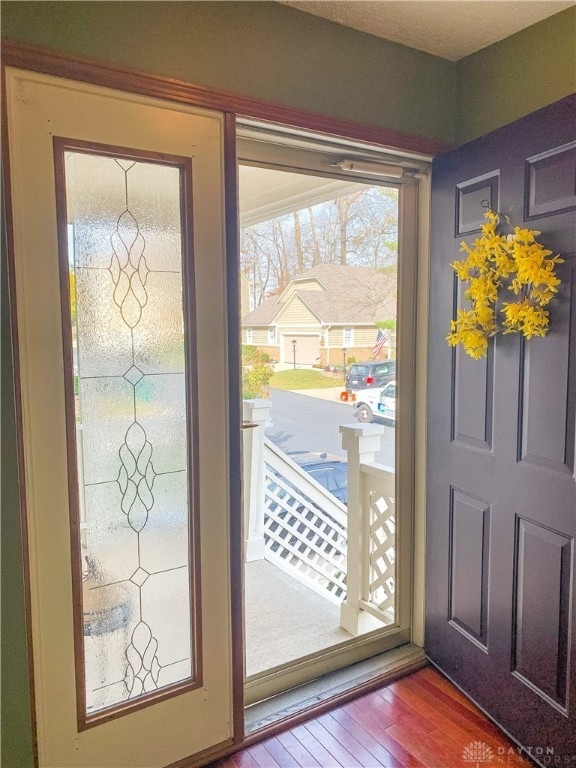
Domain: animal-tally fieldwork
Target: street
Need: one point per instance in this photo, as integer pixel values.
(305, 423)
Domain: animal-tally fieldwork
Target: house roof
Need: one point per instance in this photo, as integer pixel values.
(348, 296)
(264, 314)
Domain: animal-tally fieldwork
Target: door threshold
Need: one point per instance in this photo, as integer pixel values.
(300, 703)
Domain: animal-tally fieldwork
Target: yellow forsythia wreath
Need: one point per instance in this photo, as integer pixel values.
(515, 262)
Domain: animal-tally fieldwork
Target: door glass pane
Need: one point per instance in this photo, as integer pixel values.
(319, 263)
(131, 402)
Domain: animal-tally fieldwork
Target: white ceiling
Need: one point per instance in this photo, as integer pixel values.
(451, 29)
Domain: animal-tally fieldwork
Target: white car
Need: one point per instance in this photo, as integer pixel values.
(379, 403)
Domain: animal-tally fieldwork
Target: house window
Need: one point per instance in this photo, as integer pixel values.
(271, 335)
(348, 337)
(249, 336)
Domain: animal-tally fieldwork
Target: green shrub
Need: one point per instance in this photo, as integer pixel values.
(249, 351)
(256, 373)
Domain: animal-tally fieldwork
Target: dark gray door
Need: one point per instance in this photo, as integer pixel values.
(501, 505)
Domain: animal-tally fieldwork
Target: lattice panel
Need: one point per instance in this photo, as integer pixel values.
(303, 539)
(382, 552)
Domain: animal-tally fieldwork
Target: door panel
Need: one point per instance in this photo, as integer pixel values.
(143, 494)
(469, 528)
(540, 653)
(501, 488)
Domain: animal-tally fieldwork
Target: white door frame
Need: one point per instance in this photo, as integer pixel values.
(413, 258)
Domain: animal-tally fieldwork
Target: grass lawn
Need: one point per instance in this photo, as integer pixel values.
(306, 379)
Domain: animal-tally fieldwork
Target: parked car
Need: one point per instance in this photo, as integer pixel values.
(330, 471)
(371, 374)
(379, 403)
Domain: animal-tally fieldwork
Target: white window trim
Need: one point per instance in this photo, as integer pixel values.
(272, 335)
(249, 336)
(350, 342)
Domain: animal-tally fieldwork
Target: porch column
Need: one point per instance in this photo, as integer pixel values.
(255, 415)
(361, 442)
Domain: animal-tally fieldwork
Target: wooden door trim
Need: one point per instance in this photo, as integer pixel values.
(25, 56)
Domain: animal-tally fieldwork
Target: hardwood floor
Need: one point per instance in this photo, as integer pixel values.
(421, 720)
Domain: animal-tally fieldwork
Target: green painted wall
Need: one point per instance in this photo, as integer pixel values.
(273, 52)
(260, 49)
(516, 76)
(14, 698)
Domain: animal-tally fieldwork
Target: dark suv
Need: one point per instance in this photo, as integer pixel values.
(373, 373)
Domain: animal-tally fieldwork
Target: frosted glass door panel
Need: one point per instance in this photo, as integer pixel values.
(133, 406)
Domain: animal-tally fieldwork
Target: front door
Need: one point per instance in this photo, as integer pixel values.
(501, 513)
(120, 291)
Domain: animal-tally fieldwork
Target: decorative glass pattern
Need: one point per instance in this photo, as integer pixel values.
(125, 270)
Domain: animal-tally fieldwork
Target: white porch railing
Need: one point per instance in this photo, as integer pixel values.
(370, 598)
(304, 526)
(345, 554)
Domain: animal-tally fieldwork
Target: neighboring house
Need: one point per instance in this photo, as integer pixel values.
(326, 310)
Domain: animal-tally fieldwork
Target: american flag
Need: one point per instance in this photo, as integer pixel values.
(381, 341)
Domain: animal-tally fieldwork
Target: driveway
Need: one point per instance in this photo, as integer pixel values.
(304, 423)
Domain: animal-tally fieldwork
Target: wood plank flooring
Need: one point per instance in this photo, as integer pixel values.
(421, 720)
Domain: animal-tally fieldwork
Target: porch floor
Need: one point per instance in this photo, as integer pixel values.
(285, 620)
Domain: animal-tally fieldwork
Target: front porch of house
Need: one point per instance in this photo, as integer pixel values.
(285, 620)
(317, 573)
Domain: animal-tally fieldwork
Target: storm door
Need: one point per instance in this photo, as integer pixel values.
(328, 267)
(121, 299)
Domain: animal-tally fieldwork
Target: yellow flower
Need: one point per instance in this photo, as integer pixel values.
(525, 318)
(461, 269)
(515, 261)
(483, 289)
(527, 235)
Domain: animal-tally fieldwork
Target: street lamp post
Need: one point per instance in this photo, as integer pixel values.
(294, 352)
(344, 350)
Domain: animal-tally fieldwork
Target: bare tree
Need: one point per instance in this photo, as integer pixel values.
(298, 242)
(315, 245)
(359, 229)
(343, 207)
